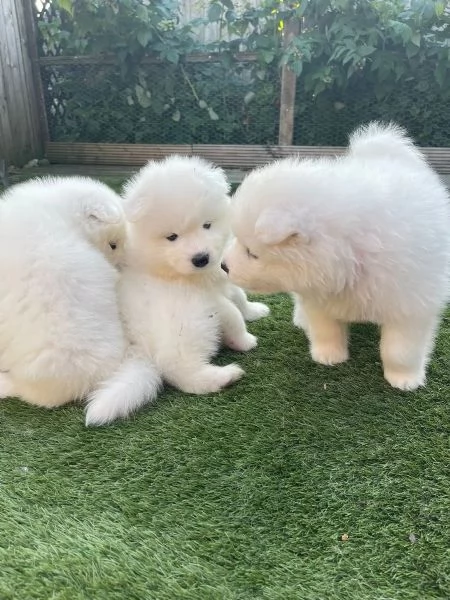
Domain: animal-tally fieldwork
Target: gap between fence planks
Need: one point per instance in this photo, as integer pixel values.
(227, 156)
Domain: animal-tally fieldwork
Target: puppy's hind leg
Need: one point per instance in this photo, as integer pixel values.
(183, 355)
(251, 311)
(195, 377)
(405, 348)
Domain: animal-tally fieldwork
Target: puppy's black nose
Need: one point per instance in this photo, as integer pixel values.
(224, 267)
(200, 260)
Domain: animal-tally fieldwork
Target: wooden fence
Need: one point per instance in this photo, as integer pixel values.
(228, 156)
(24, 131)
(21, 120)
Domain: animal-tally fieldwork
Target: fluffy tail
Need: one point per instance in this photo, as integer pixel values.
(135, 383)
(384, 140)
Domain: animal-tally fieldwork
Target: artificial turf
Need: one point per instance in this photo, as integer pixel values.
(246, 494)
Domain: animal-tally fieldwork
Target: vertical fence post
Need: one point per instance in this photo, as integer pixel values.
(287, 94)
(32, 44)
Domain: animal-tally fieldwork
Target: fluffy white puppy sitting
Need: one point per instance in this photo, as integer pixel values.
(176, 300)
(364, 237)
(60, 328)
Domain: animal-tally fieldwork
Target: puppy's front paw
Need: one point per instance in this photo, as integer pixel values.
(255, 311)
(405, 380)
(243, 344)
(329, 354)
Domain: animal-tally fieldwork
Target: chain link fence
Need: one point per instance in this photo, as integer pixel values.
(213, 102)
(212, 105)
(199, 103)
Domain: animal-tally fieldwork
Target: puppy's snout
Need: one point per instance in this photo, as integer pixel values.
(224, 266)
(200, 260)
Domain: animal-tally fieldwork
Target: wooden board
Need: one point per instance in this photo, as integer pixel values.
(19, 119)
(109, 59)
(228, 156)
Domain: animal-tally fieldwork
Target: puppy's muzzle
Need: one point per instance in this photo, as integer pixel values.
(200, 260)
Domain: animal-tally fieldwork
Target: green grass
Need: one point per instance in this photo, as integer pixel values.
(242, 494)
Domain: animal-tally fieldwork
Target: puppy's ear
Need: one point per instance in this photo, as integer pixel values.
(108, 214)
(276, 226)
(134, 208)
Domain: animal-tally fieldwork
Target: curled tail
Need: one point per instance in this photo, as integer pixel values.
(384, 140)
(135, 383)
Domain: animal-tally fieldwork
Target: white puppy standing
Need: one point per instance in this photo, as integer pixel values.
(176, 300)
(364, 237)
(60, 329)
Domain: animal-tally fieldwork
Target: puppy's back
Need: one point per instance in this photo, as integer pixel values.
(58, 307)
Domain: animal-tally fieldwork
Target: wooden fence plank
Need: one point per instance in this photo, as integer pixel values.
(227, 156)
(107, 59)
(19, 119)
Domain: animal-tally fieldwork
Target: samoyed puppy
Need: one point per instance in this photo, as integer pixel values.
(364, 237)
(177, 302)
(61, 240)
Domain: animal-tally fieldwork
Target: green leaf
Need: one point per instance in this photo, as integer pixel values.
(144, 36)
(176, 116)
(214, 12)
(411, 50)
(296, 67)
(284, 60)
(364, 51)
(172, 55)
(66, 5)
(212, 115)
(230, 16)
(202, 104)
(401, 29)
(439, 8)
(267, 55)
(249, 97)
(142, 13)
(143, 96)
(415, 38)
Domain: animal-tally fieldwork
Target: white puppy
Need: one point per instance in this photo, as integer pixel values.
(176, 300)
(60, 328)
(364, 237)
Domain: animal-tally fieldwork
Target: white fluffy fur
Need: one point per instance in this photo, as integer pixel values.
(361, 238)
(176, 313)
(60, 328)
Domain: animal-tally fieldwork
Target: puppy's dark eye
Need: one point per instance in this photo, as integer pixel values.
(250, 255)
(172, 237)
(206, 225)
(113, 245)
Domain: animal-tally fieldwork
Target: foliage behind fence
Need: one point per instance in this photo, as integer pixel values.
(354, 60)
